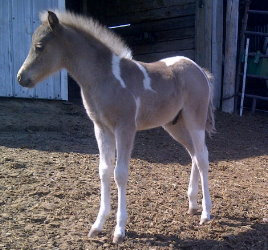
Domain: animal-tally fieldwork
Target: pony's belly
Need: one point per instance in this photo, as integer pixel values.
(156, 120)
(157, 113)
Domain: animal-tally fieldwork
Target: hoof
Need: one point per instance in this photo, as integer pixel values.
(193, 211)
(118, 239)
(204, 221)
(93, 232)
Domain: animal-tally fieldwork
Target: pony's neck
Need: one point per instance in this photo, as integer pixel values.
(85, 58)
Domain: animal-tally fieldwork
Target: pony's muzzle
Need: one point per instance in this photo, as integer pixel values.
(24, 80)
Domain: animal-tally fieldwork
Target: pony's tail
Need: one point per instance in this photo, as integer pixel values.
(210, 125)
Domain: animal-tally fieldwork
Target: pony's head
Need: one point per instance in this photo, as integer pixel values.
(45, 55)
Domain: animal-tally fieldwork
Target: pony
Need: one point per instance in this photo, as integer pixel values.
(122, 96)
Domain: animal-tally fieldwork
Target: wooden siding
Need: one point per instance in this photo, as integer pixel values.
(18, 20)
(158, 29)
(209, 40)
(6, 88)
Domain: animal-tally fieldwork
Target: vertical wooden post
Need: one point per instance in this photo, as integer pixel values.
(230, 56)
(208, 41)
(217, 40)
(203, 30)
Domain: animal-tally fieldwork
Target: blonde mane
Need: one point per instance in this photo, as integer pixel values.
(94, 28)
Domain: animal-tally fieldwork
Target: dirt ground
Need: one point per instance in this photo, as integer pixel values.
(49, 185)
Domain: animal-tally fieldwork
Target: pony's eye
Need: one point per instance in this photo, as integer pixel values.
(39, 47)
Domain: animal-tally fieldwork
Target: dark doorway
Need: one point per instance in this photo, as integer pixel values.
(152, 29)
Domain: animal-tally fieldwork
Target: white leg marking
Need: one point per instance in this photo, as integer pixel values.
(116, 70)
(124, 143)
(193, 188)
(201, 160)
(121, 176)
(106, 144)
(146, 78)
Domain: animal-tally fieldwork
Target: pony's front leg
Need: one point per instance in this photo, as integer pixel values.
(106, 144)
(124, 144)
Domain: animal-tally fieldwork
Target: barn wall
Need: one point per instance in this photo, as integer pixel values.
(158, 29)
(18, 20)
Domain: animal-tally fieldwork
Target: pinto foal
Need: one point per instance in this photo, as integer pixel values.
(122, 96)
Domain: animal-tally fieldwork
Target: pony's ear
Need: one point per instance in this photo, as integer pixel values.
(53, 20)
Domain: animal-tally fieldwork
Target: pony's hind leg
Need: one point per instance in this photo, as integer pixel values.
(106, 144)
(195, 122)
(193, 189)
(201, 160)
(180, 133)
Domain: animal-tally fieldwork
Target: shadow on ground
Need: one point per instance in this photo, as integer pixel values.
(253, 238)
(64, 127)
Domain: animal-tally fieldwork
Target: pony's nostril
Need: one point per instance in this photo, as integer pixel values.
(19, 78)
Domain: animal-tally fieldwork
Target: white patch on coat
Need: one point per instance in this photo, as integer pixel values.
(116, 70)
(172, 60)
(146, 79)
(138, 105)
